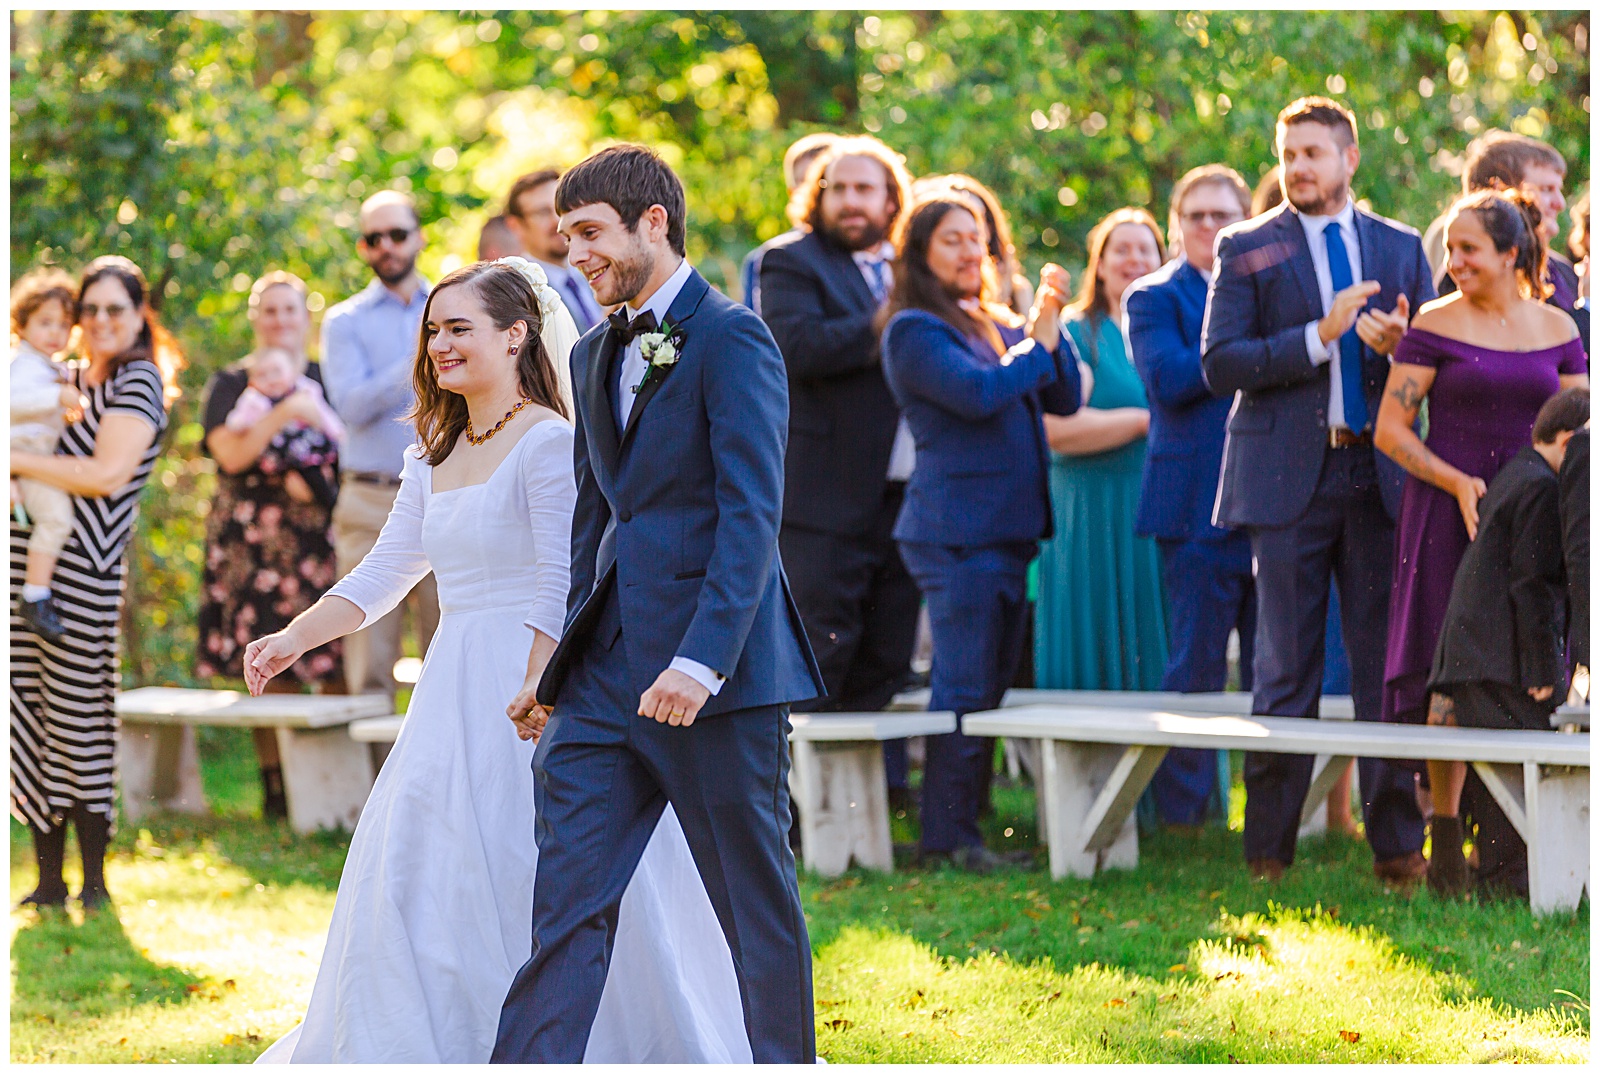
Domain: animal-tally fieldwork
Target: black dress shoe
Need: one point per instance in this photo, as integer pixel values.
(41, 617)
(94, 898)
(42, 898)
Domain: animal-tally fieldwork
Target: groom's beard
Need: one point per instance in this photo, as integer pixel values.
(627, 278)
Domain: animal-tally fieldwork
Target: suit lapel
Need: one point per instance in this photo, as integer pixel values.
(1192, 293)
(597, 402)
(1305, 270)
(678, 314)
(845, 270)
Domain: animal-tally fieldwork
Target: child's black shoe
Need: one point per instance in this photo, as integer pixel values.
(41, 617)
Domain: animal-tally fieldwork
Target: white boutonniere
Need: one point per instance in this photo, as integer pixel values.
(661, 351)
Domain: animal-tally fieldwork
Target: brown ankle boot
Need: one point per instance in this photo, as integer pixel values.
(1448, 876)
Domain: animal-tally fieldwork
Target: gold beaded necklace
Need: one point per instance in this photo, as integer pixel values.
(501, 424)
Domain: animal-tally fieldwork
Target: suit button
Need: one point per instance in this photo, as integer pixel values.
(625, 515)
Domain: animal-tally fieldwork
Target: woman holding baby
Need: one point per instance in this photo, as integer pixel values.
(269, 554)
(63, 688)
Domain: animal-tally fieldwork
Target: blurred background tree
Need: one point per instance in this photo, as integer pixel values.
(210, 147)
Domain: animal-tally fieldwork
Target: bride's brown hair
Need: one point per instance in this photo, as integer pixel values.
(507, 297)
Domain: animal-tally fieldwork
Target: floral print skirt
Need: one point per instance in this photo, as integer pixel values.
(269, 557)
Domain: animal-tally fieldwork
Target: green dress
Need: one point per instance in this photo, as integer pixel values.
(1101, 620)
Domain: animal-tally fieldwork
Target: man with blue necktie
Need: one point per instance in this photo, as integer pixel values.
(531, 213)
(1305, 306)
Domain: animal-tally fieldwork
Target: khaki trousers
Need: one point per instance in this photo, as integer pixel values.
(370, 653)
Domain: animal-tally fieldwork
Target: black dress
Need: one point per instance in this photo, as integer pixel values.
(63, 697)
(269, 557)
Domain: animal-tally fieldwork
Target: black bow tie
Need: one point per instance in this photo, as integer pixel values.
(627, 331)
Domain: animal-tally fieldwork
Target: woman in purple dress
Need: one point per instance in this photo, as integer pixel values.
(1486, 357)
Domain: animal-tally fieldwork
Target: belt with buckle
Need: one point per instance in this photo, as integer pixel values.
(372, 477)
(1340, 437)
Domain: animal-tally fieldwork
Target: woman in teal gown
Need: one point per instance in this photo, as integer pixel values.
(1101, 617)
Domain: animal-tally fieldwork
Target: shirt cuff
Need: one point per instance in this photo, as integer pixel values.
(1319, 352)
(699, 673)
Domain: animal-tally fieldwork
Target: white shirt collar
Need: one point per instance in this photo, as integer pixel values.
(884, 251)
(1345, 217)
(666, 294)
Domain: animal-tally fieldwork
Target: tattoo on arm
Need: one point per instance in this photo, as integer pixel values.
(1408, 394)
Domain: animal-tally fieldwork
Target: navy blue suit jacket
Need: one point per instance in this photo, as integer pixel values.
(982, 474)
(1263, 293)
(679, 513)
(1165, 312)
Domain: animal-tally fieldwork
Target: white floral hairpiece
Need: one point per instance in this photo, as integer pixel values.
(549, 301)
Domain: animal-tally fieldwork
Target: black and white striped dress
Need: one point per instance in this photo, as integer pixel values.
(63, 717)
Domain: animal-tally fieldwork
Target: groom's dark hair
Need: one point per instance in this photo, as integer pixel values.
(630, 179)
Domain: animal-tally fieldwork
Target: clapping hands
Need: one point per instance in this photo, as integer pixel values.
(1382, 331)
(1044, 320)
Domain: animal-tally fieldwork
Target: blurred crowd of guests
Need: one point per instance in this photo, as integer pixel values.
(1090, 487)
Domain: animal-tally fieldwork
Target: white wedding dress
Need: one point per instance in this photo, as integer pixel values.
(433, 915)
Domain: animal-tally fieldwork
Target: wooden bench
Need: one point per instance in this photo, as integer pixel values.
(838, 783)
(1097, 760)
(326, 775)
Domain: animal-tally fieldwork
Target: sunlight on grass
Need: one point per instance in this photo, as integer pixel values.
(200, 963)
(1281, 988)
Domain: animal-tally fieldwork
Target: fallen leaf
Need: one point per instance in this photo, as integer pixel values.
(1036, 915)
(1135, 923)
(1349, 1036)
(1349, 963)
(1178, 967)
(1171, 1033)
(1119, 1002)
(838, 1023)
(121, 1042)
(191, 989)
(227, 1038)
(229, 983)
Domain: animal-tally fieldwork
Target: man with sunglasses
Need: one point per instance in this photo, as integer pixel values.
(368, 342)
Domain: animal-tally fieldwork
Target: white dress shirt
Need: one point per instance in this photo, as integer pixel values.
(1318, 351)
(633, 370)
(903, 455)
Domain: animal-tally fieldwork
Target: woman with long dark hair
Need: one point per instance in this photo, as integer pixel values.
(1486, 357)
(972, 382)
(435, 908)
(63, 694)
(1100, 622)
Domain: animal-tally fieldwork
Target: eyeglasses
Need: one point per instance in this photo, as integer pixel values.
(396, 235)
(114, 312)
(1219, 216)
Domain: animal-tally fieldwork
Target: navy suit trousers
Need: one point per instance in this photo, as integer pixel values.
(977, 607)
(603, 774)
(1346, 534)
(1209, 593)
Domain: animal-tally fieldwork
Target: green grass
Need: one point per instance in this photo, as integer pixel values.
(220, 922)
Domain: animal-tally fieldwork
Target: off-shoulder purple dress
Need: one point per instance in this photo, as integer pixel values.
(1480, 413)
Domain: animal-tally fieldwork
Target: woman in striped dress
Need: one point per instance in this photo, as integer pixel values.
(63, 720)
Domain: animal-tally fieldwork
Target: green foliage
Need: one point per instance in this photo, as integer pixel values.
(211, 147)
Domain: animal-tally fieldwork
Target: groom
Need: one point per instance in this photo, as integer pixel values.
(682, 648)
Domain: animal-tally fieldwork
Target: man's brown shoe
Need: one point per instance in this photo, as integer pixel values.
(1268, 869)
(1402, 871)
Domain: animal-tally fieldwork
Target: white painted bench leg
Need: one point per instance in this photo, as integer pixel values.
(1314, 813)
(1557, 835)
(1087, 795)
(844, 805)
(327, 776)
(158, 766)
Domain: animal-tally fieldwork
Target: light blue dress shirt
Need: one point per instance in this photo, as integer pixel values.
(369, 344)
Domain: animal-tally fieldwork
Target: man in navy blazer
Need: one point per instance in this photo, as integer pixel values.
(1205, 569)
(1306, 305)
(682, 649)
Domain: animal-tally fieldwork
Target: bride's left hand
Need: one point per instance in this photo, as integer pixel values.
(527, 714)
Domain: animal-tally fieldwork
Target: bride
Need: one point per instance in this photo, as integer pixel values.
(434, 911)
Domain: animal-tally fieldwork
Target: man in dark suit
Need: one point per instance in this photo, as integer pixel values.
(682, 649)
(797, 163)
(1306, 304)
(850, 453)
(1205, 569)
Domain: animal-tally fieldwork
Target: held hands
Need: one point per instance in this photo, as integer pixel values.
(674, 699)
(1469, 490)
(266, 657)
(1044, 319)
(1382, 331)
(526, 713)
(1347, 305)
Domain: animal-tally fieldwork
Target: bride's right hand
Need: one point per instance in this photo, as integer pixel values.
(266, 657)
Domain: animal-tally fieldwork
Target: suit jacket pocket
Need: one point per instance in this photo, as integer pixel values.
(670, 407)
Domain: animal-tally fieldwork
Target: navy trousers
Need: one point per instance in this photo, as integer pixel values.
(603, 774)
(977, 606)
(1345, 534)
(1209, 593)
